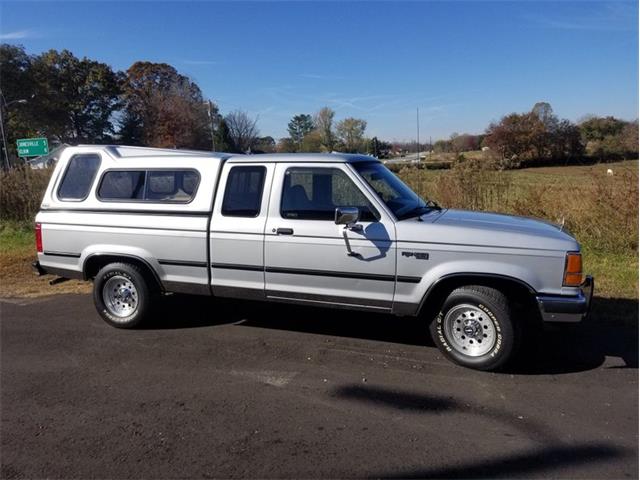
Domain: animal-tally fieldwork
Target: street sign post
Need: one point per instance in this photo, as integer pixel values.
(32, 147)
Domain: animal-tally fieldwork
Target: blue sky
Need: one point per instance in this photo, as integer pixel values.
(463, 64)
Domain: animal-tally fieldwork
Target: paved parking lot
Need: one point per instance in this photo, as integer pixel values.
(222, 389)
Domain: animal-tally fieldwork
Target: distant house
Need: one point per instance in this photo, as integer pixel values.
(48, 160)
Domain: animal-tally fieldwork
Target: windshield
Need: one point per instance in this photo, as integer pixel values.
(400, 199)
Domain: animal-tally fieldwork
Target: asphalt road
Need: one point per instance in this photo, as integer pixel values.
(222, 389)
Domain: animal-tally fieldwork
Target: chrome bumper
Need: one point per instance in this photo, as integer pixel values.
(560, 308)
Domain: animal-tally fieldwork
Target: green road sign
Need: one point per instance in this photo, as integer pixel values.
(32, 147)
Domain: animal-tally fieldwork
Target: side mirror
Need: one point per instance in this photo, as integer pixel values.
(348, 216)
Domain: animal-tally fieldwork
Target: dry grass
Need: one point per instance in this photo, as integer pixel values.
(21, 191)
(17, 279)
(600, 210)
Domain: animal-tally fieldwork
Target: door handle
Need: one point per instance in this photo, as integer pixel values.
(284, 231)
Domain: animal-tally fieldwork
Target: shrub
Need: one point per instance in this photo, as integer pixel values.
(21, 192)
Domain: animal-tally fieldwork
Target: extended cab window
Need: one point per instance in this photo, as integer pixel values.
(315, 193)
(155, 186)
(243, 193)
(79, 177)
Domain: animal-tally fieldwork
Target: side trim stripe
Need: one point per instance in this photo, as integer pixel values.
(233, 266)
(61, 254)
(124, 227)
(180, 263)
(114, 211)
(318, 273)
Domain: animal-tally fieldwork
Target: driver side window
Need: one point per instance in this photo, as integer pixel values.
(313, 193)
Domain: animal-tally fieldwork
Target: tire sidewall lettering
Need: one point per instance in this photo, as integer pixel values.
(441, 337)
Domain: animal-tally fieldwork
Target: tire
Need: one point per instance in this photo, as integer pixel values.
(122, 295)
(474, 328)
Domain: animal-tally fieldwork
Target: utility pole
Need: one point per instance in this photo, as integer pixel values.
(418, 136)
(213, 137)
(4, 139)
(430, 148)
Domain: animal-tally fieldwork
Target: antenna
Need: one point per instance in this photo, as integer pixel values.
(418, 134)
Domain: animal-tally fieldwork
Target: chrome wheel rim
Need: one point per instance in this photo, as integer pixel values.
(120, 296)
(469, 330)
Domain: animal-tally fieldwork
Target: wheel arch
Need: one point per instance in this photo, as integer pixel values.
(96, 261)
(514, 288)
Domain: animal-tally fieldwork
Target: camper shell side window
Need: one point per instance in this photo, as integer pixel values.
(148, 185)
(78, 177)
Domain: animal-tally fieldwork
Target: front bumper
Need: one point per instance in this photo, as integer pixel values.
(562, 308)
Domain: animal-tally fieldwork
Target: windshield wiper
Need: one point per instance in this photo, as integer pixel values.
(420, 210)
(434, 205)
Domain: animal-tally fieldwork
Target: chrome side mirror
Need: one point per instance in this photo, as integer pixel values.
(347, 216)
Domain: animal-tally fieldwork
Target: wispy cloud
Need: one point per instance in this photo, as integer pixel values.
(318, 76)
(200, 62)
(598, 17)
(17, 35)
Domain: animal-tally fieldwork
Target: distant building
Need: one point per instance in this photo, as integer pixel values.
(48, 160)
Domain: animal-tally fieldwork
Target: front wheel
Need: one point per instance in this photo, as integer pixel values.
(122, 295)
(474, 328)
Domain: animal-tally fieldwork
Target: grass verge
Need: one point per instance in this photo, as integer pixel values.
(17, 278)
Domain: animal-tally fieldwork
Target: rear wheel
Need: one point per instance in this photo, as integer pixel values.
(474, 328)
(122, 295)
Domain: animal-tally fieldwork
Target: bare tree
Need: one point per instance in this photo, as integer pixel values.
(243, 130)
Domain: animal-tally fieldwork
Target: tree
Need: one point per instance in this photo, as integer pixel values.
(598, 128)
(16, 80)
(608, 137)
(514, 136)
(379, 148)
(630, 139)
(73, 99)
(222, 137)
(285, 145)
(442, 146)
(265, 145)
(544, 112)
(243, 130)
(323, 121)
(299, 126)
(351, 133)
(565, 140)
(164, 108)
(312, 142)
(464, 143)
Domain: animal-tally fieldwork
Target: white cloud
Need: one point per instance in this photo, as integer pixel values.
(17, 35)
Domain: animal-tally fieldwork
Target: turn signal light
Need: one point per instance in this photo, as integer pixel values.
(573, 270)
(38, 238)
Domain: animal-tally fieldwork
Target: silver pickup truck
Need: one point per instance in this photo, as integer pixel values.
(330, 230)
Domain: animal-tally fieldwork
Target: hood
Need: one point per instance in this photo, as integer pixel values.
(465, 227)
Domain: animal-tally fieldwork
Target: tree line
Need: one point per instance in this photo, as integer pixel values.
(540, 136)
(78, 100)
